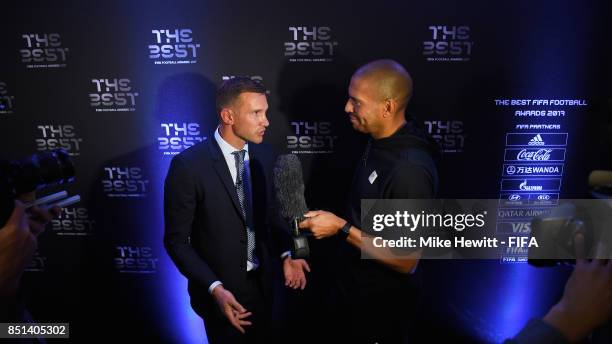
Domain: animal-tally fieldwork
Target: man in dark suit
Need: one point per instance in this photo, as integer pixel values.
(221, 227)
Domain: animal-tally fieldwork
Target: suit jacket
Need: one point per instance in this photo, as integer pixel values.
(205, 229)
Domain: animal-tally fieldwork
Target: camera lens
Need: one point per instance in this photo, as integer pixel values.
(41, 170)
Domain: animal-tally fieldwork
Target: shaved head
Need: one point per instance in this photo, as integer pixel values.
(391, 81)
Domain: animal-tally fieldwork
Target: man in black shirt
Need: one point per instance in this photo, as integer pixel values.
(377, 298)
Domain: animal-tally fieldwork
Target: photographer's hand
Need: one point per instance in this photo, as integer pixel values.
(587, 299)
(17, 245)
(39, 215)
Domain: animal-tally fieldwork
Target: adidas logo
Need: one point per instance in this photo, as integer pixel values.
(537, 141)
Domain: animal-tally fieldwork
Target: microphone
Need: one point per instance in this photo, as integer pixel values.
(289, 190)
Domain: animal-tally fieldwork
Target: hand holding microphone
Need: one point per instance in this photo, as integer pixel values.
(322, 224)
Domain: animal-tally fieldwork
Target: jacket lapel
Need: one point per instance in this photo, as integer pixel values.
(223, 172)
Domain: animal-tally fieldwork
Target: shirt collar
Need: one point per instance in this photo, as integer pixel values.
(226, 148)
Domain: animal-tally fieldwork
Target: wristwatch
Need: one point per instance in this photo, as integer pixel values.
(344, 231)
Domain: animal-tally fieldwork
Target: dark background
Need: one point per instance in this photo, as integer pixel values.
(521, 50)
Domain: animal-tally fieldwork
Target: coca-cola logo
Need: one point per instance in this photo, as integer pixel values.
(533, 155)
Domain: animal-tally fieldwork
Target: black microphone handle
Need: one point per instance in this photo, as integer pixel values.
(300, 248)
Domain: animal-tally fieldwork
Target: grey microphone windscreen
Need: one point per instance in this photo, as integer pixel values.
(289, 186)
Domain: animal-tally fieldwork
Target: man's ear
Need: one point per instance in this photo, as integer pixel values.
(227, 116)
(389, 107)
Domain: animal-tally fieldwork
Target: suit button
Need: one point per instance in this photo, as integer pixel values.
(243, 265)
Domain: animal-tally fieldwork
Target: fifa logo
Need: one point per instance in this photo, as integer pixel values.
(38, 263)
(124, 182)
(6, 101)
(310, 44)
(43, 50)
(73, 222)
(449, 134)
(448, 43)
(178, 136)
(311, 137)
(59, 136)
(135, 259)
(173, 47)
(253, 77)
(112, 95)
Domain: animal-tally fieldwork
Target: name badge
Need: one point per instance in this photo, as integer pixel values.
(373, 177)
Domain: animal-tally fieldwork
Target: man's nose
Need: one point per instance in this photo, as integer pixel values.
(348, 107)
(265, 122)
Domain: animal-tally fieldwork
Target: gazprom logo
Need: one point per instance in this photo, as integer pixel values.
(523, 186)
(526, 184)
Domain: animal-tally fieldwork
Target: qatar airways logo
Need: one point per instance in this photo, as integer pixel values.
(538, 155)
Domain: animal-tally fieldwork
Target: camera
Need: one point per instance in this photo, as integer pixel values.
(33, 173)
(592, 218)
